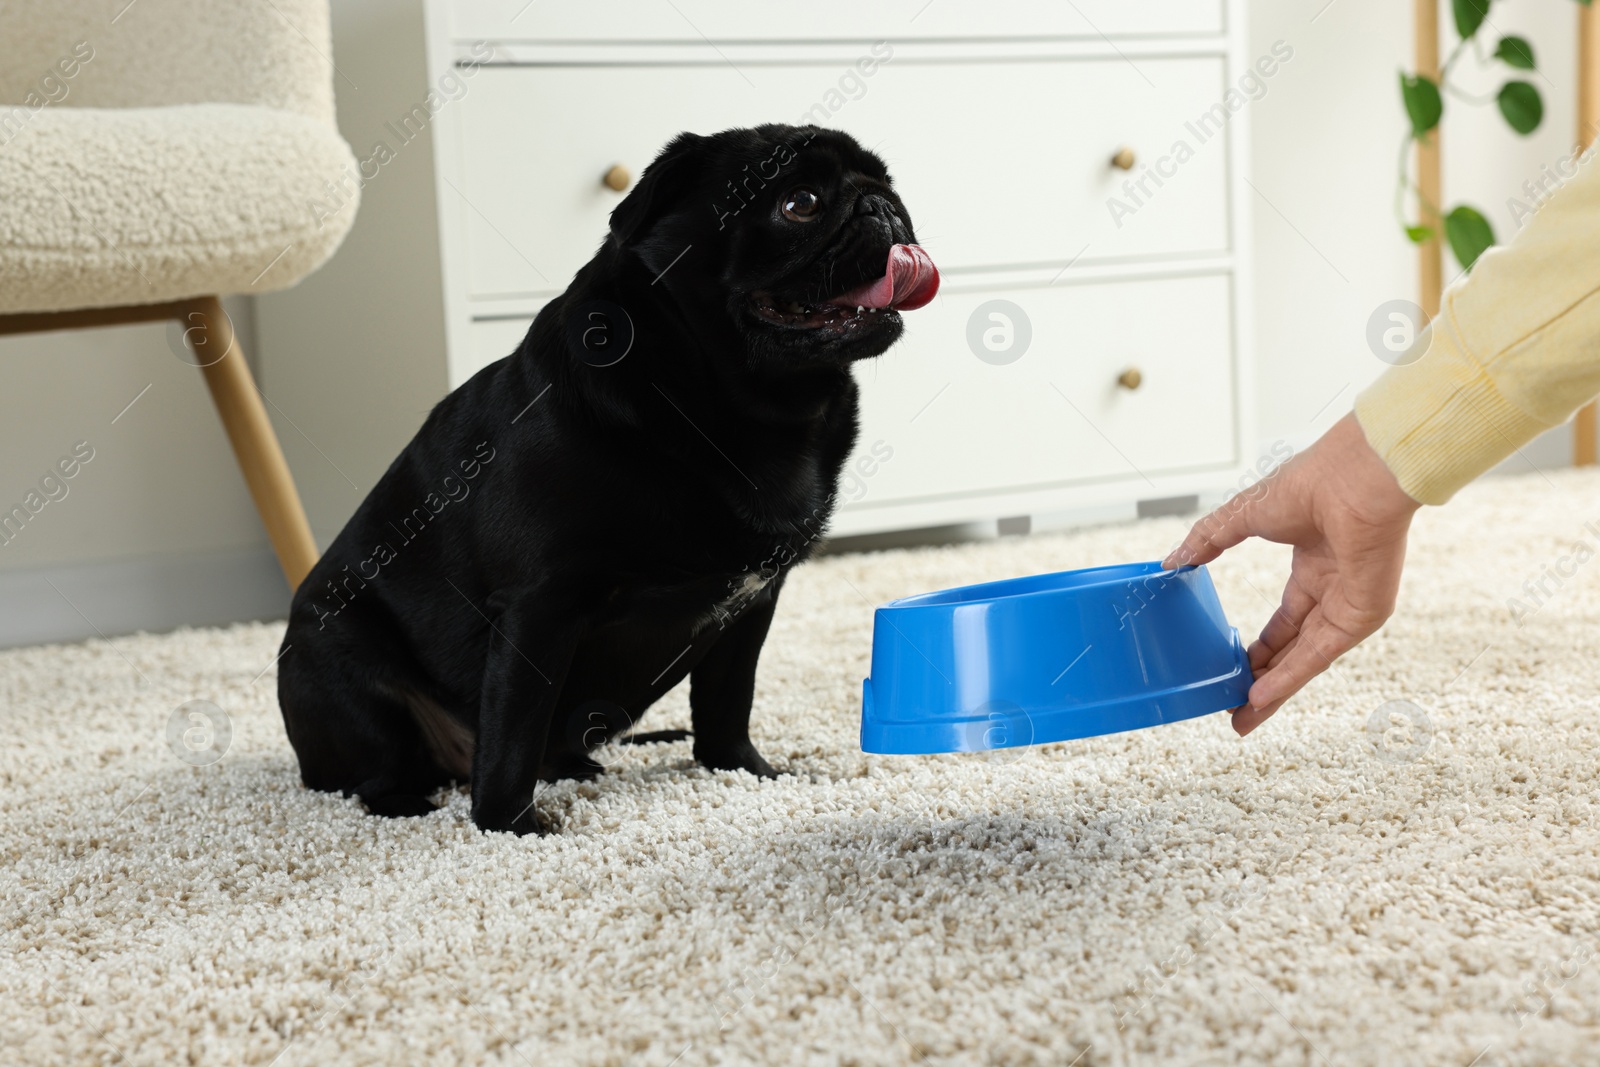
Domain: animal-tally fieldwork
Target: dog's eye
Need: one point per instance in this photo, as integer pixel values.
(802, 205)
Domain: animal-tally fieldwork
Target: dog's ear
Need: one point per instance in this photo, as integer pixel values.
(664, 183)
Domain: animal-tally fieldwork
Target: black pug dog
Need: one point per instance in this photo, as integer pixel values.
(615, 505)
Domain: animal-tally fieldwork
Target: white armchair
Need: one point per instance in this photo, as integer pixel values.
(157, 154)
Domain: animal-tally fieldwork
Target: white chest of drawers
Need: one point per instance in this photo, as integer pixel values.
(1074, 168)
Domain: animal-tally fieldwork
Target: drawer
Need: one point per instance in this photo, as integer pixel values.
(827, 20)
(952, 424)
(1001, 164)
(489, 340)
(939, 423)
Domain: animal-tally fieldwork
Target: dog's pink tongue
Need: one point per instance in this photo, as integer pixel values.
(909, 281)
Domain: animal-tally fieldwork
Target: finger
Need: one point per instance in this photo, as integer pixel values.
(1278, 656)
(1286, 623)
(1249, 717)
(1277, 638)
(1264, 657)
(1277, 635)
(1211, 536)
(1319, 644)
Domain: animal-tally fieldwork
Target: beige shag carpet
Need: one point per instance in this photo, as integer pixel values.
(1419, 888)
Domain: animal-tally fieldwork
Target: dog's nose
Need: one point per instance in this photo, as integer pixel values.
(880, 207)
(873, 204)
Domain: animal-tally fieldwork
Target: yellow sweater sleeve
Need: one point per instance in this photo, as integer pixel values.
(1515, 350)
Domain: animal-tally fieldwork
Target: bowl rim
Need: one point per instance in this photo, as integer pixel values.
(964, 595)
(1053, 723)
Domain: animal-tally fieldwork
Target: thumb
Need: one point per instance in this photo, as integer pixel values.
(1213, 534)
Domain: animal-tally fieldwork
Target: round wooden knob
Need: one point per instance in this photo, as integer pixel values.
(1130, 378)
(617, 177)
(1124, 159)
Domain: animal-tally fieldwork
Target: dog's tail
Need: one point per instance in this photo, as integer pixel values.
(656, 736)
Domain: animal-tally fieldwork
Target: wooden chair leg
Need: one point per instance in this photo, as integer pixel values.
(1585, 433)
(255, 445)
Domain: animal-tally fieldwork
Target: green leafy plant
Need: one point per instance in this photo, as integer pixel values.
(1465, 229)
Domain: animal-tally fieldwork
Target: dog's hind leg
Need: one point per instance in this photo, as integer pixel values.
(353, 737)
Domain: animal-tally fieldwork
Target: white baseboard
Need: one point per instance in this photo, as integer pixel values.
(152, 593)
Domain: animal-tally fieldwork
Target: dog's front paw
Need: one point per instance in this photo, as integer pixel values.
(520, 823)
(737, 758)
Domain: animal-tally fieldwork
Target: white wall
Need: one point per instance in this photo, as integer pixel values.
(1327, 250)
(1326, 149)
(349, 423)
(163, 491)
(157, 528)
(162, 480)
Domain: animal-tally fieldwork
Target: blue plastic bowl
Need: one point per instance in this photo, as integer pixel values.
(1050, 657)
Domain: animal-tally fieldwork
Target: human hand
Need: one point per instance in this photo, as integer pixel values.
(1347, 518)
